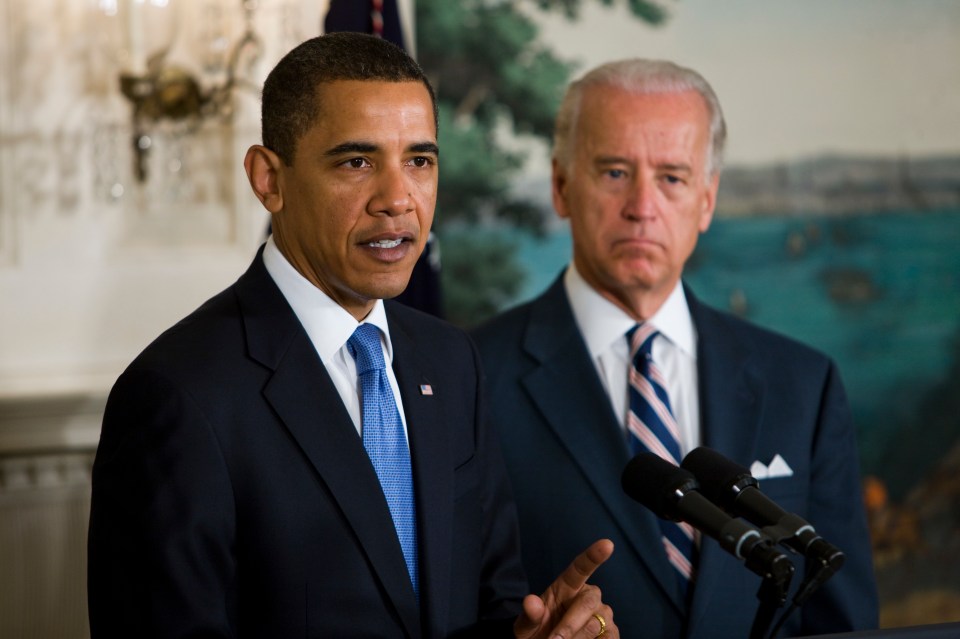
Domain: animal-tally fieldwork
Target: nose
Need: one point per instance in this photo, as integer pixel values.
(394, 194)
(640, 203)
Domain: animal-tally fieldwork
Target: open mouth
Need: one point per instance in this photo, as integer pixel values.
(385, 244)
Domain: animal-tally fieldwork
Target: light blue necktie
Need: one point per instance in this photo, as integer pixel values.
(653, 429)
(384, 440)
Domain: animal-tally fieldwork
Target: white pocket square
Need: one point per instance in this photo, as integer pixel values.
(777, 467)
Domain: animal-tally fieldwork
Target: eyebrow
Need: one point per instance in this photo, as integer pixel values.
(351, 147)
(676, 168)
(663, 166)
(366, 147)
(611, 159)
(425, 147)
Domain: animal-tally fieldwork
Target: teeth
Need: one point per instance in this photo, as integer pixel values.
(386, 244)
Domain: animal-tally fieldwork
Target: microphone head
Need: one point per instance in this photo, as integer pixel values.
(720, 479)
(657, 484)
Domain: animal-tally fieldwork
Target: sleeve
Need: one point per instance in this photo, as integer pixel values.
(162, 518)
(848, 600)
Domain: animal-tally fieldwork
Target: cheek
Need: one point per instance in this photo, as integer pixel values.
(425, 221)
(605, 214)
(427, 189)
(584, 204)
(333, 215)
(343, 196)
(426, 194)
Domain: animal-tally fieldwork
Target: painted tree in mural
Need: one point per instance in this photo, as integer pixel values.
(493, 80)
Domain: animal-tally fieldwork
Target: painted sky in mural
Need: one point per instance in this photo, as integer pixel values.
(801, 78)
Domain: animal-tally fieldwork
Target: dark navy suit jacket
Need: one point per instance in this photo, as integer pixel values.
(760, 395)
(232, 496)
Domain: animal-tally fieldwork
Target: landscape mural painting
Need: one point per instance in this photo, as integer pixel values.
(838, 223)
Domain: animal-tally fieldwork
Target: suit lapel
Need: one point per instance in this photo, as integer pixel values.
(432, 473)
(731, 400)
(304, 397)
(731, 390)
(566, 389)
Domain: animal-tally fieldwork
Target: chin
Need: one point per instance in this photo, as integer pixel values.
(389, 289)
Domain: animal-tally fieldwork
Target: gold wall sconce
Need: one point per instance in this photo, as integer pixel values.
(160, 90)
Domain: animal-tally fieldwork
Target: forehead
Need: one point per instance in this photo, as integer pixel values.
(345, 104)
(614, 117)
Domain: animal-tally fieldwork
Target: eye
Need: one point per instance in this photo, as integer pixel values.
(357, 163)
(672, 179)
(422, 161)
(616, 174)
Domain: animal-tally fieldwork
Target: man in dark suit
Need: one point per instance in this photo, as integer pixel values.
(636, 167)
(235, 491)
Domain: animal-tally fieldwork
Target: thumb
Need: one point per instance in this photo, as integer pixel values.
(531, 619)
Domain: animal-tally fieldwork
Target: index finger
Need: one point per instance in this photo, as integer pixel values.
(575, 576)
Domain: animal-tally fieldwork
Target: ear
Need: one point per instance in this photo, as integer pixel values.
(263, 168)
(558, 188)
(709, 202)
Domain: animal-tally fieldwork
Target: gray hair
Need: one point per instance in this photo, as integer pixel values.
(640, 76)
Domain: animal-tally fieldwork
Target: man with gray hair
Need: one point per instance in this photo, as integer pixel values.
(619, 357)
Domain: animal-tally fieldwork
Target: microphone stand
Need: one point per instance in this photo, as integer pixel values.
(829, 561)
(773, 589)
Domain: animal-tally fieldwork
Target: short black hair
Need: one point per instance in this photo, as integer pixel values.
(290, 103)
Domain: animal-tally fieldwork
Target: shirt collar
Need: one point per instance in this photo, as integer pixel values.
(328, 325)
(602, 323)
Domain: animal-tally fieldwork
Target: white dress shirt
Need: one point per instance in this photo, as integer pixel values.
(604, 326)
(329, 327)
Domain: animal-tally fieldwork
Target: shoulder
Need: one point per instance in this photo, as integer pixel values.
(550, 307)
(435, 343)
(719, 330)
(210, 352)
(504, 341)
(421, 326)
(507, 326)
(177, 373)
(250, 314)
(204, 330)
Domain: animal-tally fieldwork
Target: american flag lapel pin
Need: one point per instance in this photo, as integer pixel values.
(426, 389)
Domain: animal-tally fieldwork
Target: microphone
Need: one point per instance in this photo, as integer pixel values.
(671, 493)
(733, 488)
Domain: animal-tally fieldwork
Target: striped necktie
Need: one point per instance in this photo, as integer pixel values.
(385, 442)
(652, 428)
